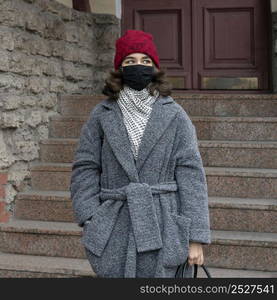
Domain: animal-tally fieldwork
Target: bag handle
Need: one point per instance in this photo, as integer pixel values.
(204, 268)
(181, 270)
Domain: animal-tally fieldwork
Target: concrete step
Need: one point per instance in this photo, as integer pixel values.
(66, 126)
(208, 128)
(245, 154)
(50, 176)
(60, 239)
(78, 105)
(44, 206)
(37, 266)
(228, 104)
(242, 182)
(236, 128)
(243, 214)
(226, 182)
(235, 273)
(258, 215)
(213, 153)
(242, 250)
(58, 150)
(260, 105)
(229, 249)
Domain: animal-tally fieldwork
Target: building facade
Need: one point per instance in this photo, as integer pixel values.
(221, 59)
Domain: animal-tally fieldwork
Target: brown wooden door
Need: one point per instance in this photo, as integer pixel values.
(207, 44)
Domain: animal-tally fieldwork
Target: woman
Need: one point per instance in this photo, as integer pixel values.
(138, 184)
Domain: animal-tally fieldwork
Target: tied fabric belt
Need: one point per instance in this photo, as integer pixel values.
(142, 210)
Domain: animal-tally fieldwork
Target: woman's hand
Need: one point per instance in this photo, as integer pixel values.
(195, 253)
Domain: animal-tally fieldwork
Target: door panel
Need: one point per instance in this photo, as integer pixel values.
(231, 44)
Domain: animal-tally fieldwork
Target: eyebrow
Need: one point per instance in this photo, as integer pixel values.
(134, 57)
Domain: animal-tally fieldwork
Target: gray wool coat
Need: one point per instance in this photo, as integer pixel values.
(143, 212)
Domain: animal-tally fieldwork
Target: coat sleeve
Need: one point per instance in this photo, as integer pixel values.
(191, 181)
(86, 170)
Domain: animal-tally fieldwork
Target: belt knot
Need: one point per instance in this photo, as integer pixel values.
(142, 210)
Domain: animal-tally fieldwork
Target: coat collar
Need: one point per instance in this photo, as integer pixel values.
(116, 133)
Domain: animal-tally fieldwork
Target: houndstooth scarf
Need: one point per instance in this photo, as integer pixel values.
(136, 109)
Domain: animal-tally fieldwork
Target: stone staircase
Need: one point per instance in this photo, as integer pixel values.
(237, 136)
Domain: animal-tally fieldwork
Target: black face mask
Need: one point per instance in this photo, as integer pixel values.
(137, 76)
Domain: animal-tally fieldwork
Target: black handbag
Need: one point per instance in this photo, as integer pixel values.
(180, 272)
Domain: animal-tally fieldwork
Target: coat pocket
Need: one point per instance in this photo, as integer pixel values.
(97, 233)
(176, 240)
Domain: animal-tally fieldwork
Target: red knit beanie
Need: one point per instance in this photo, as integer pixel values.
(135, 41)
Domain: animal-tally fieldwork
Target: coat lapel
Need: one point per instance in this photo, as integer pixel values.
(117, 135)
(162, 114)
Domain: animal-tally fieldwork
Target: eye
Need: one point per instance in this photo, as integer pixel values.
(146, 61)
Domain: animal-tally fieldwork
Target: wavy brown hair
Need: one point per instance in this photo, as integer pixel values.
(114, 83)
